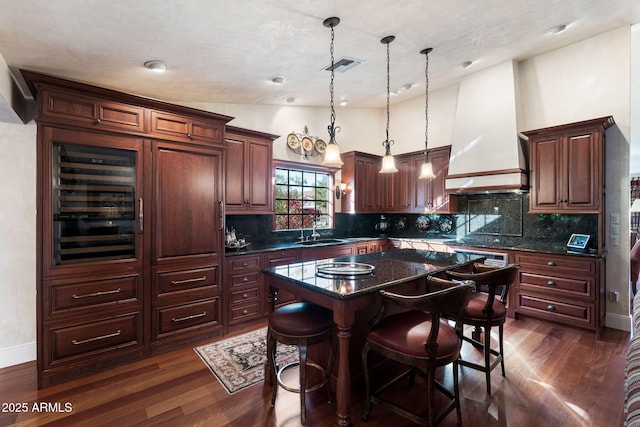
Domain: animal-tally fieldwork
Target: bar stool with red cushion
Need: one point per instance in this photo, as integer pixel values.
(420, 341)
(301, 324)
(486, 309)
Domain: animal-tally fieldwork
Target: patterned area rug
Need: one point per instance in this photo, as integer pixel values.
(238, 362)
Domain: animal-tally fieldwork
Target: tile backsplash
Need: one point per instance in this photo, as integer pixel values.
(486, 220)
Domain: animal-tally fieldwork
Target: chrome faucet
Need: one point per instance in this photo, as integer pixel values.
(301, 238)
(315, 234)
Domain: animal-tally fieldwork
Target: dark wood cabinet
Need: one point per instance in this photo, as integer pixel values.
(186, 217)
(91, 112)
(401, 192)
(243, 288)
(370, 246)
(360, 172)
(274, 259)
(322, 252)
(248, 171)
(429, 195)
(185, 128)
(129, 237)
(562, 288)
(567, 167)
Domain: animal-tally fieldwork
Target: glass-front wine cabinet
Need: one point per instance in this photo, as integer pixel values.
(94, 203)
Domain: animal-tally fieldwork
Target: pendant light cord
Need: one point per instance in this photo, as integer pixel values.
(388, 94)
(333, 113)
(426, 103)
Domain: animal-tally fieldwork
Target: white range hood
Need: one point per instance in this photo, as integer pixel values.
(486, 151)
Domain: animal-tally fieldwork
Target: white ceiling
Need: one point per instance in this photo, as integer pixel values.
(226, 51)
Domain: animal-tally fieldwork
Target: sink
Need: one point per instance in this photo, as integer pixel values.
(320, 242)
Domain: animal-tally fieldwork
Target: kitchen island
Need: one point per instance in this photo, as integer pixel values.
(354, 297)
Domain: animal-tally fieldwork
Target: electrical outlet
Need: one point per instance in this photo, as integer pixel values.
(615, 218)
(615, 229)
(615, 240)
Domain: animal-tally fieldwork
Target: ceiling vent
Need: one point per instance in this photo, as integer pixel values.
(343, 64)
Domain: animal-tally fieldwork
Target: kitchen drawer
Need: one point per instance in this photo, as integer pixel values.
(93, 295)
(92, 112)
(181, 317)
(244, 263)
(581, 314)
(95, 337)
(243, 296)
(251, 278)
(557, 264)
(558, 285)
(176, 281)
(242, 313)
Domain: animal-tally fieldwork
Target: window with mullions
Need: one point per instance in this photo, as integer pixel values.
(302, 197)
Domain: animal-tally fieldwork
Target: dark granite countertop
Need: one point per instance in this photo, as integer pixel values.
(532, 246)
(277, 246)
(390, 268)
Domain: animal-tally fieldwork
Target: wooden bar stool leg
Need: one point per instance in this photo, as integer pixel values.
(303, 382)
(501, 337)
(487, 356)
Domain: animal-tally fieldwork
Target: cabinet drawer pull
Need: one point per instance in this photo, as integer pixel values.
(245, 279)
(193, 316)
(189, 136)
(97, 121)
(245, 296)
(551, 283)
(551, 263)
(245, 311)
(551, 307)
(96, 294)
(244, 264)
(185, 281)
(102, 337)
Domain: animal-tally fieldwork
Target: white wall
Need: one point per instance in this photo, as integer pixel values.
(17, 243)
(582, 81)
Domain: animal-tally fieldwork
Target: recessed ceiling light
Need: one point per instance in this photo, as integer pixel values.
(557, 29)
(407, 86)
(291, 100)
(466, 64)
(156, 65)
(277, 80)
(343, 102)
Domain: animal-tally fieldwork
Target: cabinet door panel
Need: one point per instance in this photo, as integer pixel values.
(234, 175)
(582, 169)
(259, 174)
(187, 201)
(546, 160)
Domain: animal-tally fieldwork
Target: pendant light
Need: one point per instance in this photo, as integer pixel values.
(388, 162)
(332, 151)
(426, 171)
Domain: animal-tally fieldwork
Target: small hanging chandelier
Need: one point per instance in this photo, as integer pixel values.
(332, 151)
(426, 171)
(388, 162)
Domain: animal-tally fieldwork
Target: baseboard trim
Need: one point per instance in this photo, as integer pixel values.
(617, 321)
(18, 354)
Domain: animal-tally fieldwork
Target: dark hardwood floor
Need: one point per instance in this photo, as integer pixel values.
(556, 376)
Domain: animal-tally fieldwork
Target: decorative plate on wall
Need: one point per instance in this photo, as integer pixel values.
(293, 142)
(445, 224)
(423, 222)
(321, 146)
(307, 144)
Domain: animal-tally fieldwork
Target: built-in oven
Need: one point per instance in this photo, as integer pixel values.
(495, 259)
